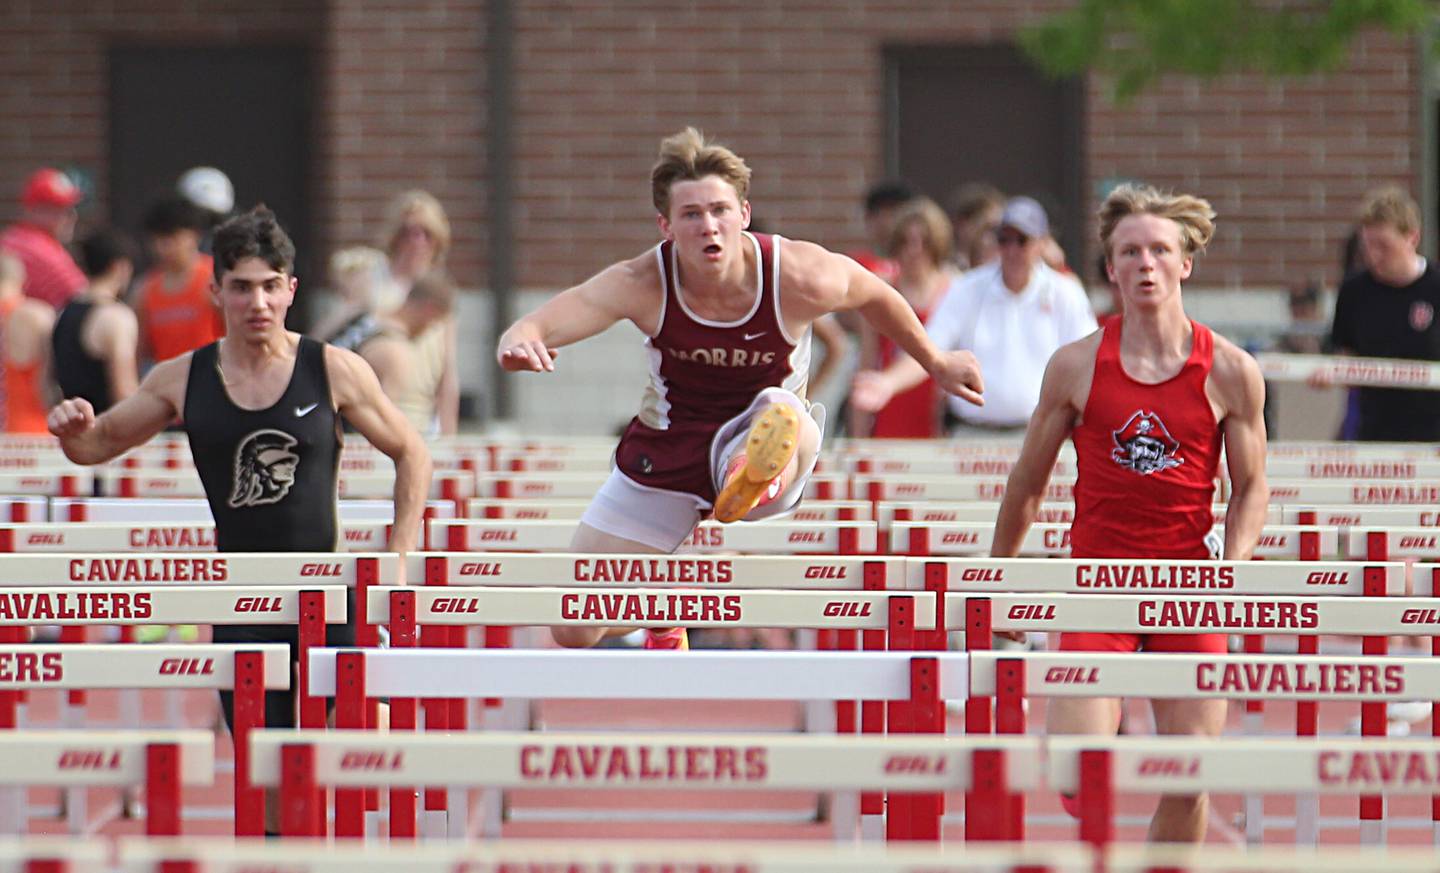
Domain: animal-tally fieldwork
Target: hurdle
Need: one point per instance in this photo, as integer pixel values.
(180, 510)
(162, 761)
(1094, 769)
(249, 670)
(299, 762)
(582, 486)
(455, 487)
(972, 539)
(557, 509)
(355, 536)
(54, 855)
(1357, 492)
(893, 679)
(1010, 677)
(192, 855)
(771, 537)
(1346, 370)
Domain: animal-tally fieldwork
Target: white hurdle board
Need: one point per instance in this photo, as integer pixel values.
(1357, 492)
(163, 603)
(659, 607)
(197, 510)
(348, 758)
(1113, 577)
(603, 674)
(182, 568)
(122, 665)
(1237, 677)
(544, 509)
(1346, 370)
(974, 538)
(828, 572)
(66, 758)
(368, 536)
(780, 537)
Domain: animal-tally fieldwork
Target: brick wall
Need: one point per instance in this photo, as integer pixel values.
(53, 104)
(598, 82)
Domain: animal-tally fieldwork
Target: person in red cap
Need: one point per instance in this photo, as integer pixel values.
(39, 237)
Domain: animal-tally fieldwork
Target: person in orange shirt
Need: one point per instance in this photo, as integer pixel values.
(25, 325)
(176, 310)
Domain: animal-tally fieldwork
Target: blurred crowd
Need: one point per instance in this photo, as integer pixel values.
(87, 316)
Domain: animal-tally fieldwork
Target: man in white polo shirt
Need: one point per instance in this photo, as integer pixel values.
(1012, 313)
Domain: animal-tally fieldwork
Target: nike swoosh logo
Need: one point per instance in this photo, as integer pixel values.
(755, 336)
(302, 411)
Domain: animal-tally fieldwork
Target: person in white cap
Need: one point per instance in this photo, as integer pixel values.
(1012, 313)
(209, 189)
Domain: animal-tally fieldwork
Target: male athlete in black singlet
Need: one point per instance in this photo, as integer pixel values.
(262, 408)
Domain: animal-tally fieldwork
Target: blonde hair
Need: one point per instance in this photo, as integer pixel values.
(422, 206)
(939, 233)
(434, 288)
(1390, 205)
(689, 156)
(1194, 214)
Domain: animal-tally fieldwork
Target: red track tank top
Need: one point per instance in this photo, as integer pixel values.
(1146, 458)
(704, 373)
(911, 414)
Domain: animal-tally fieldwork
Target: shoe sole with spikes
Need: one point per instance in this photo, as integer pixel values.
(773, 439)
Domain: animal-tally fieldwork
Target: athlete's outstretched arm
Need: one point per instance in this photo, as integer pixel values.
(86, 439)
(615, 293)
(1050, 425)
(829, 282)
(358, 397)
(1241, 389)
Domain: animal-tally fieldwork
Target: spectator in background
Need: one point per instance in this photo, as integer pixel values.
(975, 212)
(406, 348)
(1012, 314)
(355, 274)
(25, 326)
(1388, 310)
(416, 238)
(882, 202)
(1307, 323)
(209, 189)
(96, 336)
(46, 226)
(175, 305)
(920, 245)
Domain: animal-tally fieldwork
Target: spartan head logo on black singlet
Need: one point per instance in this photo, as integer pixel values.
(264, 469)
(1144, 445)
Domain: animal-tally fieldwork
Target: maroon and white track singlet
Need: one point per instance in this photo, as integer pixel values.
(1146, 458)
(704, 373)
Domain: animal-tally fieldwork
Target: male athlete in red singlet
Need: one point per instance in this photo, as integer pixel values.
(1148, 400)
(724, 422)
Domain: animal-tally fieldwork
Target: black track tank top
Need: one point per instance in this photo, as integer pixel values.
(270, 474)
(79, 373)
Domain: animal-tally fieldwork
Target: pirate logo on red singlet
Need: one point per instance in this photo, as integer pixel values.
(1144, 445)
(264, 469)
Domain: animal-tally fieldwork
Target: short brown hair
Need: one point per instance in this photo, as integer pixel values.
(939, 234)
(689, 156)
(1391, 205)
(1194, 214)
(434, 288)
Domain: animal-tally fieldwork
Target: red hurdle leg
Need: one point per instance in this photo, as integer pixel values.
(1097, 798)
(927, 808)
(872, 712)
(1373, 721)
(350, 714)
(901, 717)
(312, 709)
(162, 790)
(437, 709)
(46, 865)
(367, 575)
(1435, 707)
(1010, 719)
(10, 700)
(985, 808)
(977, 639)
(402, 712)
(249, 697)
(1307, 712)
(937, 579)
(298, 791)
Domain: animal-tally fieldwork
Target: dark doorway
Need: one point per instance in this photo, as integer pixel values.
(244, 109)
(957, 114)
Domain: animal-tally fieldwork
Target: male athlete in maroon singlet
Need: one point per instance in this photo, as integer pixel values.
(1148, 400)
(724, 422)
